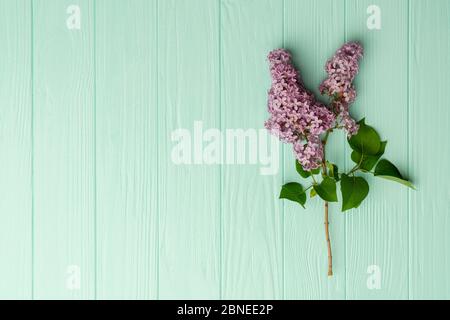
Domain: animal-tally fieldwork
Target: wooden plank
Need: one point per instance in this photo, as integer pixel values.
(313, 31)
(189, 193)
(377, 231)
(126, 149)
(15, 146)
(429, 239)
(252, 248)
(64, 154)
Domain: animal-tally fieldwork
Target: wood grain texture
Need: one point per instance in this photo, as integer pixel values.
(64, 150)
(252, 219)
(313, 31)
(126, 149)
(377, 231)
(15, 149)
(189, 194)
(87, 177)
(429, 238)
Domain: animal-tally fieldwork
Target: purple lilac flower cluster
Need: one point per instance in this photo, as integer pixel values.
(295, 115)
(310, 153)
(342, 69)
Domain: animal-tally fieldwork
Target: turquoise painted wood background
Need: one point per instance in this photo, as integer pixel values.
(88, 187)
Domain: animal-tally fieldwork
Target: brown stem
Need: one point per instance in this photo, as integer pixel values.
(327, 236)
(327, 232)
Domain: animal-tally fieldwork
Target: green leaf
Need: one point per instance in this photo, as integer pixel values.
(294, 191)
(387, 170)
(333, 170)
(354, 191)
(303, 173)
(327, 189)
(367, 162)
(366, 141)
(313, 193)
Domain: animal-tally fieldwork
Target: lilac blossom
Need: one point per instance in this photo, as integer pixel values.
(294, 112)
(295, 115)
(347, 122)
(342, 69)
(310, 153)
